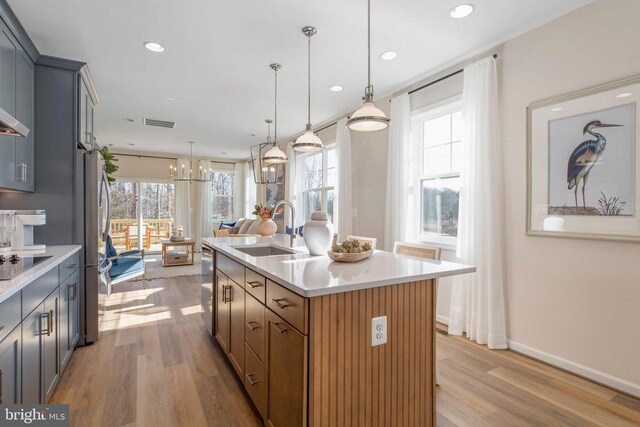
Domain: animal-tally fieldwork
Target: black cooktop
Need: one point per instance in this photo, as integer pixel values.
(12, 265)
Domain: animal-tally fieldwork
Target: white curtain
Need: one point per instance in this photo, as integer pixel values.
(204, 197)
(250, 186)
(344, 215)
(398, 209)
(477, 300)
(238, 192)
(183, 199)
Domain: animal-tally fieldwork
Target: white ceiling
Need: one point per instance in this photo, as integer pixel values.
(214, 78)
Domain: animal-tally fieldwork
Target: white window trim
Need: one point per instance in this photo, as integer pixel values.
(300, 192)
(432, 111)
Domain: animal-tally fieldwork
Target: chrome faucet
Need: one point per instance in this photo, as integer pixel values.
(293, 218)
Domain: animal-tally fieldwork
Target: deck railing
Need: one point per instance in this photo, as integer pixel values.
(124, 233)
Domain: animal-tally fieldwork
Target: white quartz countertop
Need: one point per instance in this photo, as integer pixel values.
(8, 288)
(312, 276)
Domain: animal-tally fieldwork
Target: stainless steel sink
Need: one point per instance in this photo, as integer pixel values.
(269, 250)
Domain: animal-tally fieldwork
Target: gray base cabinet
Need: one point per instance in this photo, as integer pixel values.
(35, 353)
(10, 368)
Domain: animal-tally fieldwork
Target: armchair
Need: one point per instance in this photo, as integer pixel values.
(118, 268)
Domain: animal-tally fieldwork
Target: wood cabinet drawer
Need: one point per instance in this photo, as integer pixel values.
(68, 266)
(255, 284)
(255, 325)
(255, 381)
(234, 270)
(10, 311)
(287, 304)
(38, 290)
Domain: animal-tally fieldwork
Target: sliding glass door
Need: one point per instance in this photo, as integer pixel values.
(142, 214)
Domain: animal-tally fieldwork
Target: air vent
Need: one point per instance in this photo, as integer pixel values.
(159, 123)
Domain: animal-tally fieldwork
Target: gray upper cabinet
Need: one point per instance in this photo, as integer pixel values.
(8, 50)
(25, 112)
(17, 97)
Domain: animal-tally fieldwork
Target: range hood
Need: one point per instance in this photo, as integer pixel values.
(9, 125)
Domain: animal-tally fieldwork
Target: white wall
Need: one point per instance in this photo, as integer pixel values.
(571, 302)
(574, 299)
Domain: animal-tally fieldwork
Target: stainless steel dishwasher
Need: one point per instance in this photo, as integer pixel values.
(206, 291)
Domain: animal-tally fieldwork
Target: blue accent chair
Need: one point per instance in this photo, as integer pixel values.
(116, 268)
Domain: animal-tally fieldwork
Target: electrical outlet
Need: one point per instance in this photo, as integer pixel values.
(378, 331)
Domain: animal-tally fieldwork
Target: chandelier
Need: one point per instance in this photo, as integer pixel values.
(184, 173)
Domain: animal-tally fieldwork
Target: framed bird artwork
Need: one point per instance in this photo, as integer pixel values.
(583, 162)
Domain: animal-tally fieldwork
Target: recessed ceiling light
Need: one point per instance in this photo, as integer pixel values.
(154, 47)
(388, 56)
(624, 95)
(461, 11)
(556, 109)
(336, 88)
(170, 99)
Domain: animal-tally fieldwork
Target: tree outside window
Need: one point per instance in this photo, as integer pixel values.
(223, 189)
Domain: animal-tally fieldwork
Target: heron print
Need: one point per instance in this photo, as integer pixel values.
(592, 155)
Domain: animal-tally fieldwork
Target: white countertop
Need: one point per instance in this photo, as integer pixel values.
(312, 276)
(58, 254)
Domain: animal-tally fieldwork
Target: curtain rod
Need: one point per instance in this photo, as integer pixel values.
(495, 55)
(166, 158)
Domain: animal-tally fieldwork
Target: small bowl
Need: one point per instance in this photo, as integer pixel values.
(349, 257)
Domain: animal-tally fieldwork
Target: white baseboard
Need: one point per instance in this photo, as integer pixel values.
(585, 371)
(442, 319)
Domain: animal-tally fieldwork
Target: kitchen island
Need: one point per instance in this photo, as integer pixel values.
(298, 331)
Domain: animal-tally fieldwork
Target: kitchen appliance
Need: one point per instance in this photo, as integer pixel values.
(9, 125)
(13, 265)
(23, 233)
(7, 218)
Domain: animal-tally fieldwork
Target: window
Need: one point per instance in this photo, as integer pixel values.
(436, 133)
(223, 189)
(317, 173)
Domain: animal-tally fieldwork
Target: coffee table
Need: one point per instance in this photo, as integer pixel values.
(172, 255)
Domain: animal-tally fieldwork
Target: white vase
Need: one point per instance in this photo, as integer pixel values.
(318, 232)
(266, 227)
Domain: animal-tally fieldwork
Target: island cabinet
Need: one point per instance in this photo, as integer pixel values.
(310, 361)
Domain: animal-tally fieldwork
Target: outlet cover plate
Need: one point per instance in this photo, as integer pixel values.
(378, 331)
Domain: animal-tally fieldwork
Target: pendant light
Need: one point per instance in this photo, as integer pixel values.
(275, 155)
(368, 118)
(204, 175)
(308, 142)
(264, 173)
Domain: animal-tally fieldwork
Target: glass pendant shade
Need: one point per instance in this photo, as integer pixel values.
(308, 142)
(368, 118)
(274, 156)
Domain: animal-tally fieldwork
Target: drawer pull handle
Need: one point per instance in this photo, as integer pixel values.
(74, 288)
(47, 316)
(254, 284)
(225, 297)
(279, 328)
(250, 324)
(279, 304)
(71, 266)
(251, 380)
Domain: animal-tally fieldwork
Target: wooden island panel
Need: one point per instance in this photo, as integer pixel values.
(353, 383)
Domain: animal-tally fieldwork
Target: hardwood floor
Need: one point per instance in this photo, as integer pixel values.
(156, 365)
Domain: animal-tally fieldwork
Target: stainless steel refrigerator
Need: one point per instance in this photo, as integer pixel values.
(97, 222)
